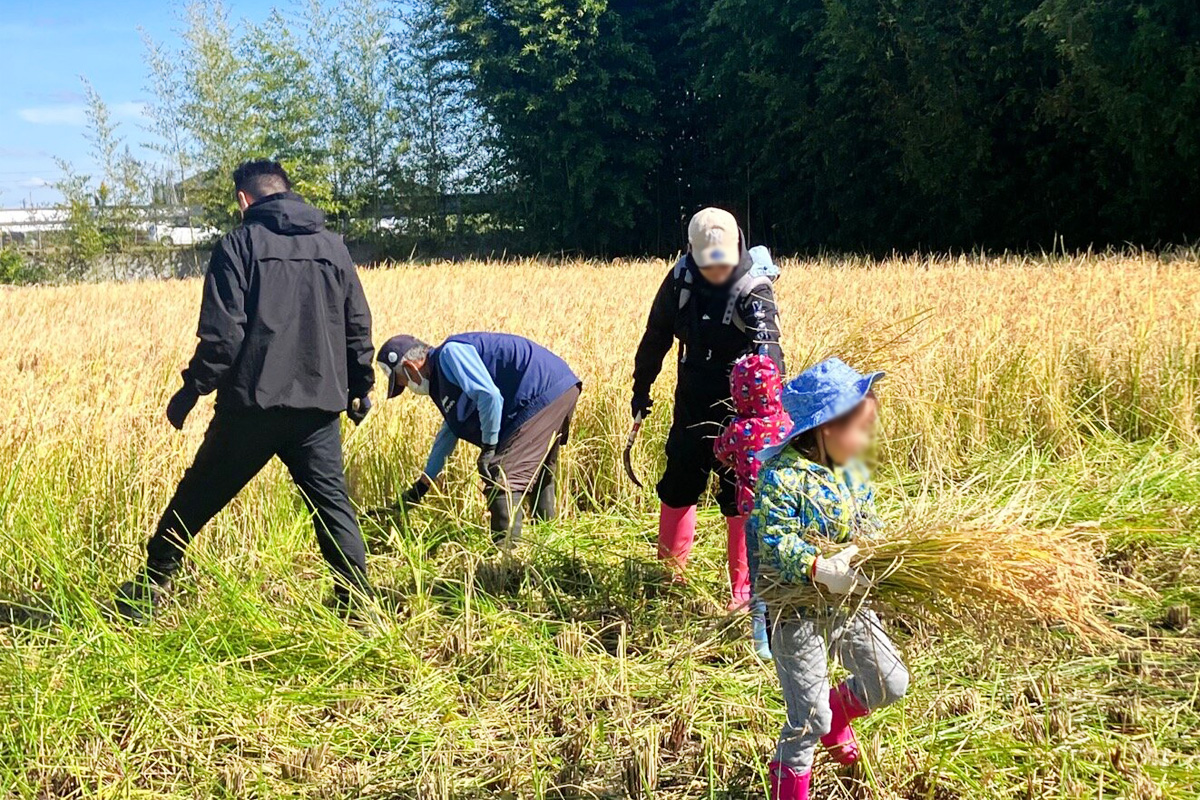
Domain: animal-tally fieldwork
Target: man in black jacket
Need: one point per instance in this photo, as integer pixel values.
(285, 342)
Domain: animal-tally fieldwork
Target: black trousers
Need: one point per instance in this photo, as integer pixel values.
(702, 407)
(237, 445)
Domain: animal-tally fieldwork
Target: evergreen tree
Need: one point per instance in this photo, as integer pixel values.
(568, 89)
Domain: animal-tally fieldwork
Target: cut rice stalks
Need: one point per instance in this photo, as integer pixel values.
(1007, 580)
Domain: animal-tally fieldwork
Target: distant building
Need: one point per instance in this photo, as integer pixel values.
(18, 224)
(168, 226)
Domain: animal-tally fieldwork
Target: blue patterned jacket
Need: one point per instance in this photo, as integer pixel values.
(798, 502)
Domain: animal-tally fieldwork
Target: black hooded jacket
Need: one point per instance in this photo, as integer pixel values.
(284, 322)
(707, 345)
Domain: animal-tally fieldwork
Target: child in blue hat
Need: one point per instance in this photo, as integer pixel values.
(814, 486)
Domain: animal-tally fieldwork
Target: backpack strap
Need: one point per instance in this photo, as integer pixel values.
(682, 277)
(748, 284)
(745, 286)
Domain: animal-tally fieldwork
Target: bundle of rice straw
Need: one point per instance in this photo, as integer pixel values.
(1005, 579)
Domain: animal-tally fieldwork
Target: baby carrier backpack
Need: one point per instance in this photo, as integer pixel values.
(764, 272)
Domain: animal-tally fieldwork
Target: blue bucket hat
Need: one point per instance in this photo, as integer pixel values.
(821, 393)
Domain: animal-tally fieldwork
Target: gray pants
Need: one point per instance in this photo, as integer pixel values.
(527, 461)
(802, 647)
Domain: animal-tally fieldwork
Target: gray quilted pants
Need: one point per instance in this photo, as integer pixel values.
(802, 647)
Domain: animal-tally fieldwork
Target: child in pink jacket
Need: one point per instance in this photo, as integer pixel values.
(759, 422)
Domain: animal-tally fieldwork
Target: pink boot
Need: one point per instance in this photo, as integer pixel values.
(786, 783)
(840, 741)
(676, 532)
(739, 567)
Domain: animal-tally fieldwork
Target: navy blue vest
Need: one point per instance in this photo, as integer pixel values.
(528, 375)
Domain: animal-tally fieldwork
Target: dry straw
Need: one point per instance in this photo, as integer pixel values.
(1005, 580)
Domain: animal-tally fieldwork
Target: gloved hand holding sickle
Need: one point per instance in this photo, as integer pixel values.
(641, 409)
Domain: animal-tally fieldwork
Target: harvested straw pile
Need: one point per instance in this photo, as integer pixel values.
(1005, 580)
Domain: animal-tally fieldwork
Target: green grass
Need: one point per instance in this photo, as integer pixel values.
(565, 669)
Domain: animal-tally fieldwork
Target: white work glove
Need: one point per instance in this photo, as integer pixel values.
(836, 574)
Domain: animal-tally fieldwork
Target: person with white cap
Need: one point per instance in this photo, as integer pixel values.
(813, 488)
(720, 309)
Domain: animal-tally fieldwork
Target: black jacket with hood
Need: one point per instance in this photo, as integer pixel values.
(284, 322)
(707, 345)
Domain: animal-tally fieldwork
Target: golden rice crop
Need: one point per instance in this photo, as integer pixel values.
(1005, 580)
(982, 354)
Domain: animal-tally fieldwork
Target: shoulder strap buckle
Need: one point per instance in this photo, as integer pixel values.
(683, 278)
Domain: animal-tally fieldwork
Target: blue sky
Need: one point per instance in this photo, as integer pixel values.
(45, 46)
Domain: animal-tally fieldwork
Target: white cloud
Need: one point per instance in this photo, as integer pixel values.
(74, 114)
(134, 109)
(54, 115)
(34, 183)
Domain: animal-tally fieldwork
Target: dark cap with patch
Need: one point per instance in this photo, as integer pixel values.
(389, 357)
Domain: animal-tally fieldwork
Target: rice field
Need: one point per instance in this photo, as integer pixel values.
(1039, 393)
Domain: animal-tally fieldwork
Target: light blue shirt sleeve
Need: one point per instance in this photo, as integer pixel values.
(443, 446)
(462, 364)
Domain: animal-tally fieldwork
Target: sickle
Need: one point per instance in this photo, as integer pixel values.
(633, 432)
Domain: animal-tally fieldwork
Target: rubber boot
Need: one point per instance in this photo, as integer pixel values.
(762, 638)
(544, 508)
(676, 533)
(840, 741)
(787, 784)
(739, 567)
(506, 512)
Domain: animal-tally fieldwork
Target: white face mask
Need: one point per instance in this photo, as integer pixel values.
(421, 388)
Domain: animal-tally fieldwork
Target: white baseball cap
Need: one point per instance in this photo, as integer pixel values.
(714, 238)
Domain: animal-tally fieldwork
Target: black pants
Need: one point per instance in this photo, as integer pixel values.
(237, 445)
(702, 407)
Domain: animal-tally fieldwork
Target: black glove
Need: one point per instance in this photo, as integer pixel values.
(641, 405)
(417, 493)
(357, 409)
(180, 405)
(486, 463)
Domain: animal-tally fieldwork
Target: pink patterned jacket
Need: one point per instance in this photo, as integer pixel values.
(759, 421)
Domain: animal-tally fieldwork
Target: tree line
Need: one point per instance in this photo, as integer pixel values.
(847, 124)
(596, 127)
(354, 97)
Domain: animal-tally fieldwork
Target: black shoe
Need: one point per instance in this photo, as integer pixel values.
(138, 600)
(28, 614)
(345, 601)
(383, 516)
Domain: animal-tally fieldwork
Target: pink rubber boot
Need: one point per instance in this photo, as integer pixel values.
(676, 532)
(840, 741)
(786, 783)
(739, 567)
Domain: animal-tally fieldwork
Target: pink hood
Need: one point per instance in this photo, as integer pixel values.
(756, 387)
